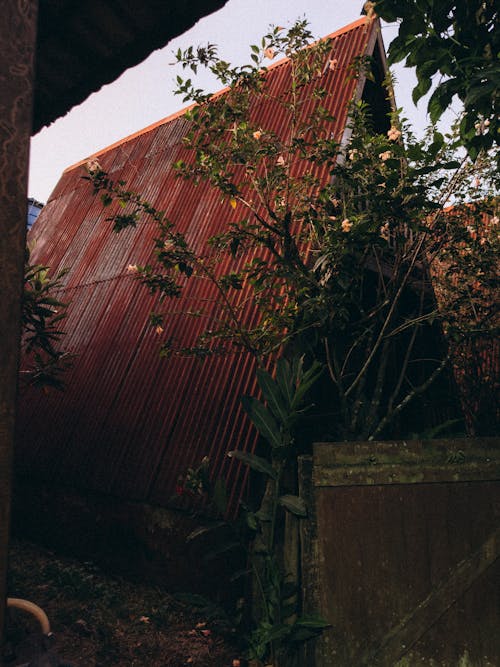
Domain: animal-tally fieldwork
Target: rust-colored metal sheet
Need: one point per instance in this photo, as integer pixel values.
(129, 422)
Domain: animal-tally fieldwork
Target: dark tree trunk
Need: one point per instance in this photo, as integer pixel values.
(17, 47)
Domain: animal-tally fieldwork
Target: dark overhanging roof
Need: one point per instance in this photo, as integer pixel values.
(83, 46)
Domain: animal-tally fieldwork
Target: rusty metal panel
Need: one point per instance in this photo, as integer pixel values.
(129, 423)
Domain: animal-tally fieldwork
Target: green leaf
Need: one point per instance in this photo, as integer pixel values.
(277, 632)
(421, 89)
(272, 394)
(293, 504)
(251, 521)
(204, 530)
(284, 378)
(263, 420)
(255, 462)
(299, 634)
(308, 379)
(312, 621)
(441, 99)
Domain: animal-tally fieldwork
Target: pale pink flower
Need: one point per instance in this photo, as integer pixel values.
(280, 161)
(335, 202)
(132, 268)
(159, 329)
(386, 155)
(269, 52)
(385, 232)
(494, 221)
(346, 225)
(257, 134)
(93, 165)
(332, 218)
(394, 134)
(332, 64)
(353, 153)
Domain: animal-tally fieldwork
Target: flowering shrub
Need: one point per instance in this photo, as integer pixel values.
(336, 266)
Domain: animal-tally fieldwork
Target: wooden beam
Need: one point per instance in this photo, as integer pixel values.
(17, 47)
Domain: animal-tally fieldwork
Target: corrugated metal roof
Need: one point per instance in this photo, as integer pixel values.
(129, 422)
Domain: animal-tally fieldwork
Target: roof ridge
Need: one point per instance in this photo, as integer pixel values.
(337, 33)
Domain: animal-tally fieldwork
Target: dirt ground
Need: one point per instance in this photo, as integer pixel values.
(99, 620)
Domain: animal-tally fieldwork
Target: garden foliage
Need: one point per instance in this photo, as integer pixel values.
(42, 314)
(335, 246)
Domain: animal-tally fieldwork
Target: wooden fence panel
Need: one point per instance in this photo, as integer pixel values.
(401, 553)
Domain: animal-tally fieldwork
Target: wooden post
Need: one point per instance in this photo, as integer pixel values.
(17, 48)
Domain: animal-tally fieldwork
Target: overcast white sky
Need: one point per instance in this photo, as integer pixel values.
(143, 94)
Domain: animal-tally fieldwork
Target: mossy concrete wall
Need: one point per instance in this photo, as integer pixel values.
(401, 553)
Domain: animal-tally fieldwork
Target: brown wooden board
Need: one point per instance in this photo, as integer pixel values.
(413, 563)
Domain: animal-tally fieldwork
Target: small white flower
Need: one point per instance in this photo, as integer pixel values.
(332, 64)
(346, 225)
(280, 161)
(353, 154)
(386, 155)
